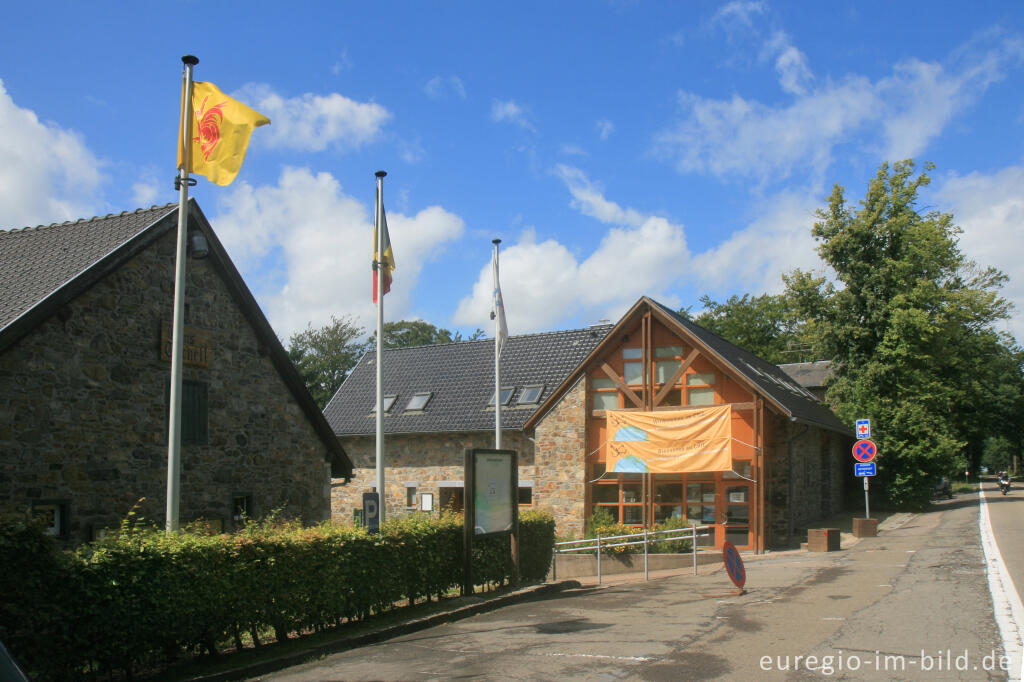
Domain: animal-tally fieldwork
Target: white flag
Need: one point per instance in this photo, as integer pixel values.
(498, 309)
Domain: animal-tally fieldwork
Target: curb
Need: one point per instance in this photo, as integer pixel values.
(390, 632)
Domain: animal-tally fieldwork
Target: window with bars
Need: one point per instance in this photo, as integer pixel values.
(194, 411)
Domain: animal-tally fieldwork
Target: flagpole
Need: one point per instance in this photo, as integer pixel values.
(497, 359)
(177, 334)
(379, 265)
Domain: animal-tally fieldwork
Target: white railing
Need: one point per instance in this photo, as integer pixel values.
(646, 538)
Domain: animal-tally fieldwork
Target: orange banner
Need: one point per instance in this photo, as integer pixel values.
(670, 442)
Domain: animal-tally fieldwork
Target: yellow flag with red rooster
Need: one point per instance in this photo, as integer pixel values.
(218, 133)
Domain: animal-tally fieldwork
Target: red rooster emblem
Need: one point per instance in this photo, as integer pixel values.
(208, 127)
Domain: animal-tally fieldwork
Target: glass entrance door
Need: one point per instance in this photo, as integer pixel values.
(738, 500)
(700, 509)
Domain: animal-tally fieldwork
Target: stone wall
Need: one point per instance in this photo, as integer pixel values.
(83, 408)
(561, 462)
(422, 460)
(806, 479)
(556, 471)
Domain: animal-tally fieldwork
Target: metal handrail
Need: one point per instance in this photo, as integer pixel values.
(599, 542)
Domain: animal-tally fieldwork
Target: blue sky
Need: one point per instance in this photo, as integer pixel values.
(618, 149)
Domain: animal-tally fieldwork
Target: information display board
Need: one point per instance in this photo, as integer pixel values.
(492, 505)
(494, 492)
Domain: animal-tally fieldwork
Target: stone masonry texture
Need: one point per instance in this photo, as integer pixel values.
(83, 408)
(552, 462)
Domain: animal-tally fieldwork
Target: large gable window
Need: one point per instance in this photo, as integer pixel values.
(606, 394)
(418, 401)
(632, 372)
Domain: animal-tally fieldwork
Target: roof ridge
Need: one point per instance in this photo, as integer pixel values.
(490, 339)
(154, 207)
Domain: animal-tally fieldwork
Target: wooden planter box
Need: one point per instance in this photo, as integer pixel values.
(823, 540)
(865, 528)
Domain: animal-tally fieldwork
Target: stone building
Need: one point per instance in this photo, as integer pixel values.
(776, 465)
(813, 376)
(85, 313)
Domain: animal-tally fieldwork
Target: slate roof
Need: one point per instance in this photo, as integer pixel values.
(776, 386)
(44, 267)
(809, 374)
(36, 261)
(461, 378)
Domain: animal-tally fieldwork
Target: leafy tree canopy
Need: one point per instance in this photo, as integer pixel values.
(908, 323)
(765, 325)
(417, 333)
(324, 356)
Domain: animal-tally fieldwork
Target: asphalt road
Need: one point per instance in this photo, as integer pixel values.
(1007, 515)
(912, 603)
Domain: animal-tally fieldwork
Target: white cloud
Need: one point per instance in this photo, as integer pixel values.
(604, 128)
(795, 76)
(411, 151)
(47, 174)
(754, 258)
(896, 116)
(303, 238)
(145, 191)
(737, 16)
(541, 281)
(439, 87)
(572, 150)
(743, 138)
(924, 97)
(342, 63)
(990, 210)
(511, 112)
(314, 122)
(588, 199)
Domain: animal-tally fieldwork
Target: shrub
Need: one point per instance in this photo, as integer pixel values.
(145, 597)
(671, 546)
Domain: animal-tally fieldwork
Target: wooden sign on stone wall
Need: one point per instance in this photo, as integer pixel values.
(198, 350)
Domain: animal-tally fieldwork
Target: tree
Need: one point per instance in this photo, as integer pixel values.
(765, 325)
(324, 356)
(908, 324)
(417, 333)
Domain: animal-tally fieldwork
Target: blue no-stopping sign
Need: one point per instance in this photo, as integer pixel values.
(734, 564)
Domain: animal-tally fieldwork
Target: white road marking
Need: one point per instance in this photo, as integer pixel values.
(1009, 610)
(556, 654)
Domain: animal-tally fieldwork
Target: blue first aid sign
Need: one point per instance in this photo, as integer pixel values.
(863, 429)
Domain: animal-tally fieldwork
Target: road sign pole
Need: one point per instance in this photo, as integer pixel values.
(867, 505)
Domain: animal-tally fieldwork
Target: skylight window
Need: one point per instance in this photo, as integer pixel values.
(506, 396)
(418, 401)
(531, 395)
(389, 400)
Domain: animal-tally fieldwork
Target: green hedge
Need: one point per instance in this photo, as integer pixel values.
(144, 598)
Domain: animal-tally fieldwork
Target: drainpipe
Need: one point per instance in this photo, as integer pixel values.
(789, 465)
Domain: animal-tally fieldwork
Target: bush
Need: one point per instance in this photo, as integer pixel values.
(602, 523)
(144, 597)
(536, 544)
(681, 546)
